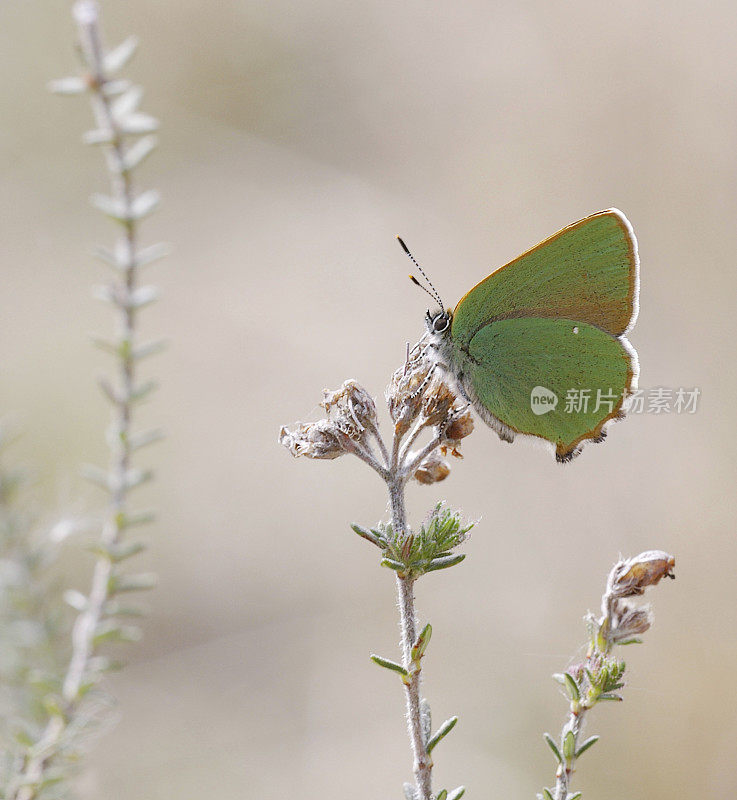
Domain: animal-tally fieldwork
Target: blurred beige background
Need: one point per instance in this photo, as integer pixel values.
(297, 140)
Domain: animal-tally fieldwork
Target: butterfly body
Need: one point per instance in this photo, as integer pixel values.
(539, 346)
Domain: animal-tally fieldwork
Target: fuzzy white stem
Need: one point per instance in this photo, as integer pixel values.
(26, 784)
(408, 621)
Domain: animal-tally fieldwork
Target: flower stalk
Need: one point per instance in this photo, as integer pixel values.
(600, 676)
(123, 133)
(418, 400)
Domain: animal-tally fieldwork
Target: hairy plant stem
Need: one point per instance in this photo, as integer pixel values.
(416, 404)
(28, 782)
(408, 620)
(574, 724)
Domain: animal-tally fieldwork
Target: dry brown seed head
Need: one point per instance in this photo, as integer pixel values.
(432, 470)
(318, 439)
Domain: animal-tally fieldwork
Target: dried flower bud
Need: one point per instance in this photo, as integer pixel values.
(432, 469)
(632, 577)
(351, 408)
(437, 402)
(319, 439)
(631, 621)
(404, 395)
(460, 427)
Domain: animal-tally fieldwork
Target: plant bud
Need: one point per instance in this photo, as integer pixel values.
(632, 577)
(319, 439)
(432, 470)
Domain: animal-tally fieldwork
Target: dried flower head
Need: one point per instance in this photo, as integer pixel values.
(404, 395)
(630, 621)
(433, 469)
(459, 426)
(438, 399)
(632, 577)
(351, 408)
(319, 439)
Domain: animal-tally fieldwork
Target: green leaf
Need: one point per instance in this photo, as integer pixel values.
(571, 687)
(131, 583)
(410, 792)
(425, 720)
(609, 696)
(96, 475)
(108, 390)
(107, 293)
(106, 255)
(633, 640)
(366, 534)
(75, 599)
(142, 296)
(138, 440)
(144, 204)
(111, 206)
(569, 746)
(575, 796)
(590, 742)
(397, 566)
(116, 87)
(53, 706)
(110, 631)
(23, 738)
(119, 552)
(100, 664)
(389, 664)
(130, 519)
(137, 477)
(148, 349)
(441, 733)
(98, 136)
(444, 562)
(141, 392)
(115, 609)
(554, 747)
(152, 253)
(71, 85)
(127, 102)
(547, 794)
(423, 640)
(119, 56)
(457, 793)
(139, 152)
(138, 124)
(442, 795)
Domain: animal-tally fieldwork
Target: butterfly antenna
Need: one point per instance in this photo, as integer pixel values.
(434, 293)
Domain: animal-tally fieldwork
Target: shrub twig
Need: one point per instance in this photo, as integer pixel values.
(418, 399)
(600, 676)
(124, 133)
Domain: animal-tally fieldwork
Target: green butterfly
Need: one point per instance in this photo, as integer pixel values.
(538, 347)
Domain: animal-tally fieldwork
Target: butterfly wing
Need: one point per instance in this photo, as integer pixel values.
(587, 272)
(558, 379)
(554, 319)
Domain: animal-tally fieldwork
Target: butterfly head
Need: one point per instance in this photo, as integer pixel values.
(438, 324)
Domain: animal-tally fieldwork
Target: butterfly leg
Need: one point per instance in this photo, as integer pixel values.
(421, 388)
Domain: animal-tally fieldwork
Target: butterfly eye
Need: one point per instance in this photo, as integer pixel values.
(440, 323)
